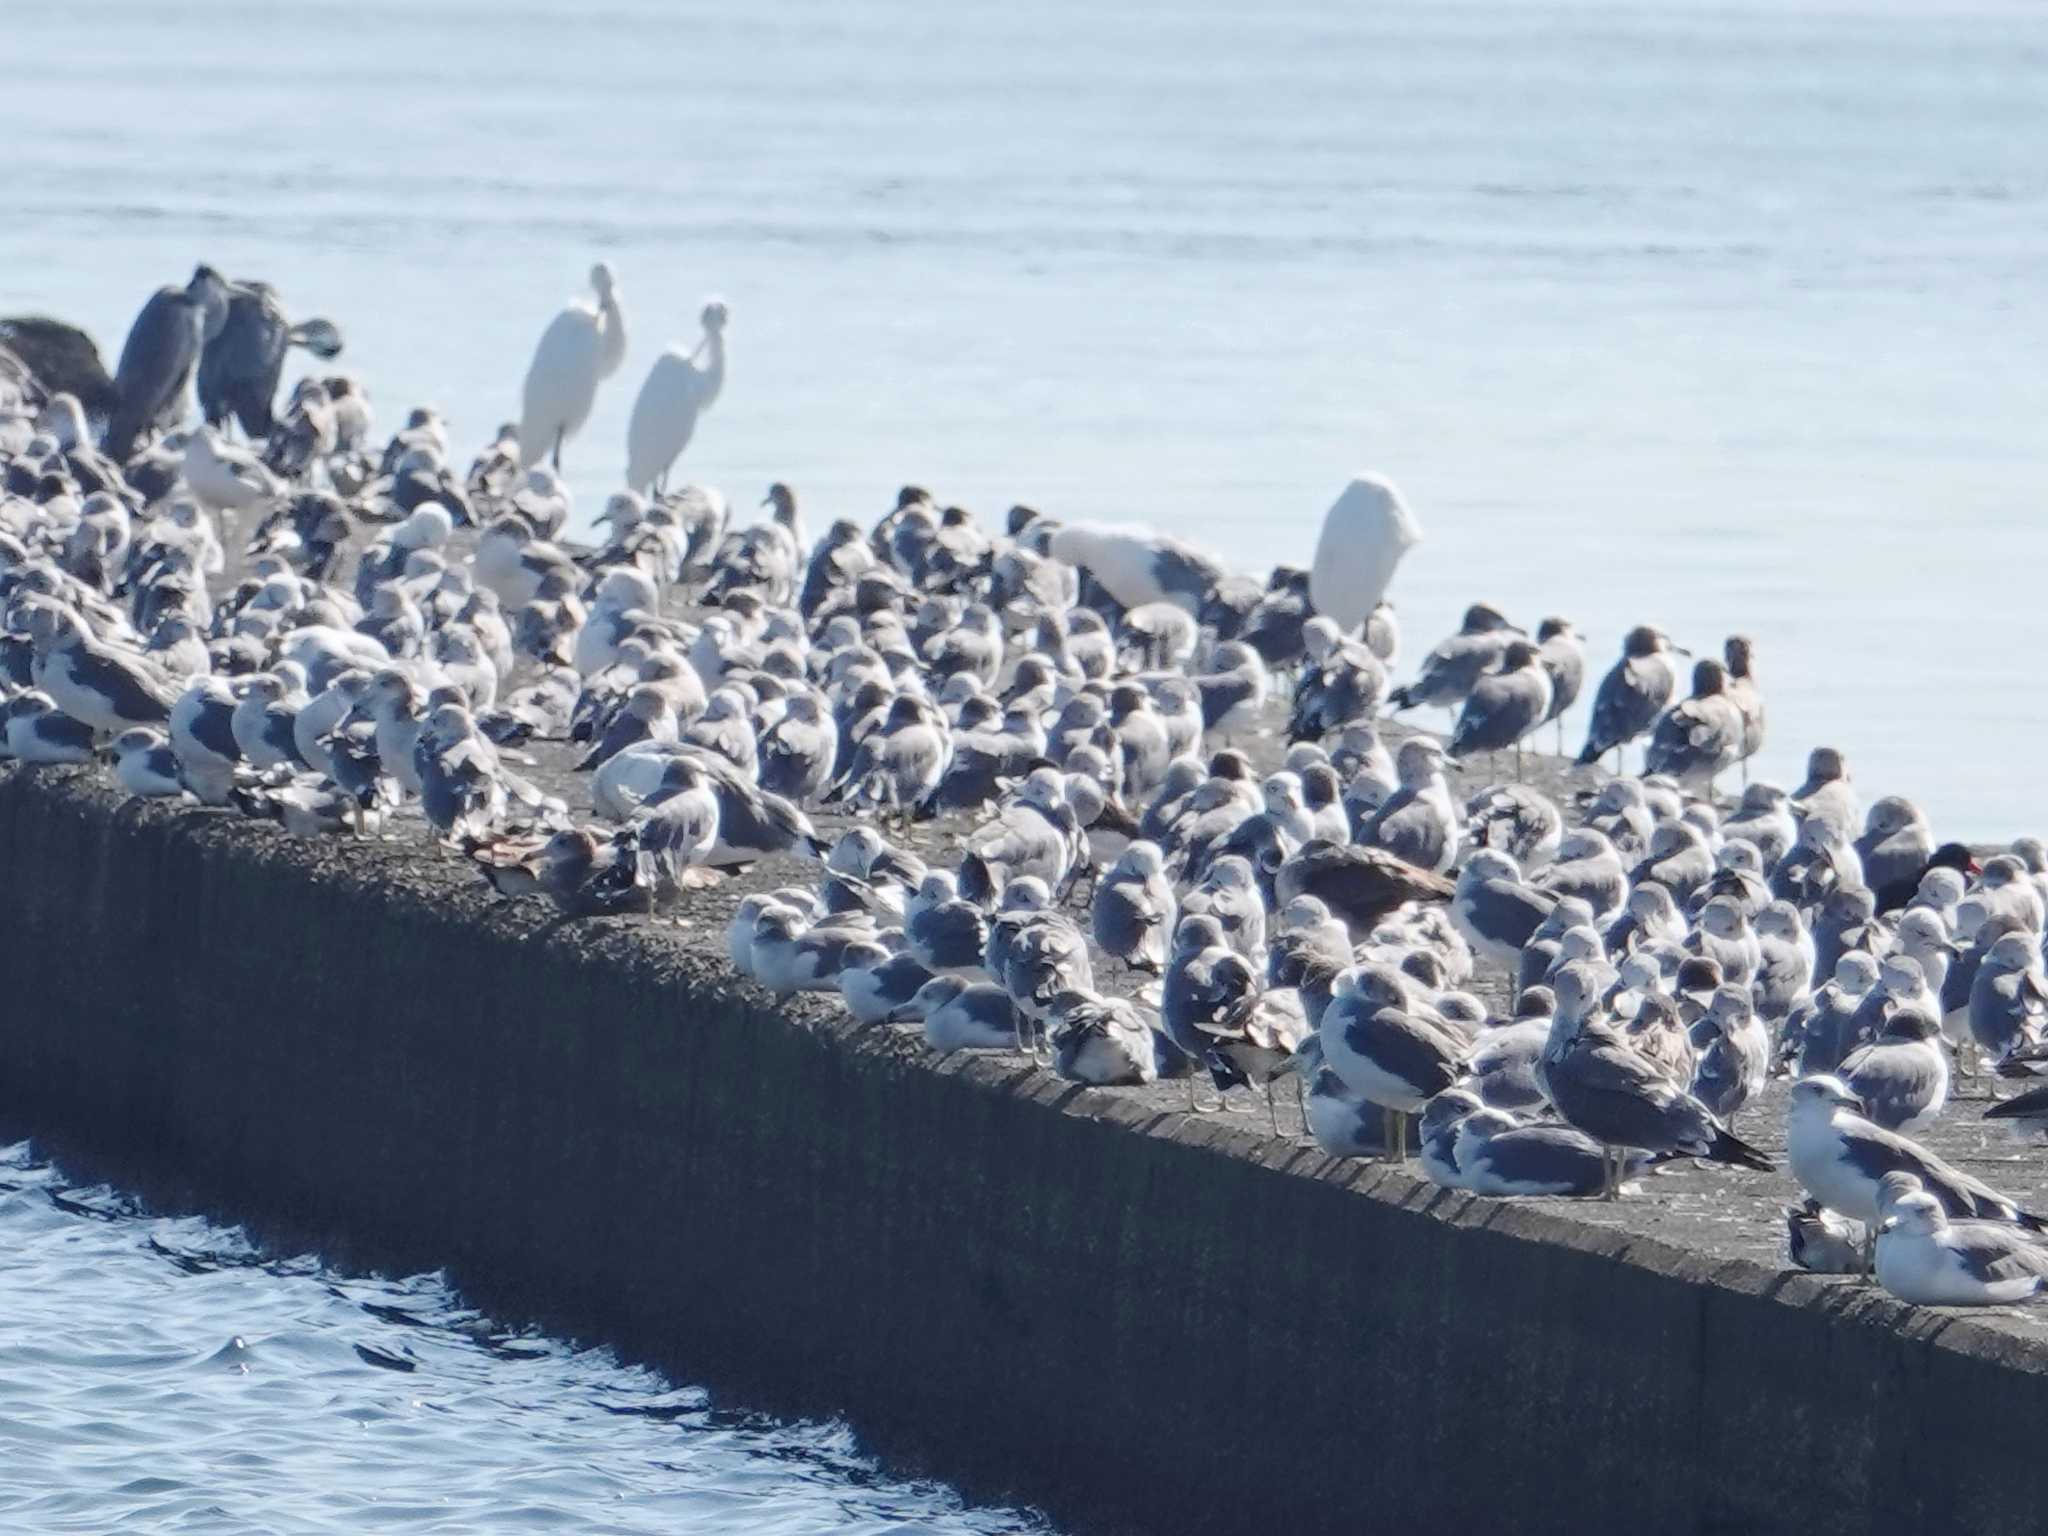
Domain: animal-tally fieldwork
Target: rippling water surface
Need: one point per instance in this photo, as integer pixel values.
(1728, 314)
(157, 1374)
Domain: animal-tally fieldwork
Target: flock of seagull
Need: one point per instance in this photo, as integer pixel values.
(1037, 744)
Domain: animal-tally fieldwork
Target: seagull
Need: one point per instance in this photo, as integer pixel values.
(1504, 706)
(1136, 566)
(1735, 1055)
(1450, 671)
(1383, 1049)
(1589, 867)
(676, 834)
(1600, 1086)
(1232, 689)
(1902, 1077)
(1500, 1155)
(874, 983)
(1822, 1243)
(1738, 655)
(226, 478)
(38, 732)
(1785, 962)
(1101, 1041)
(1763, 819)
(146, 766)
(1827, 795)
(1359, 886)
(1822, 1033)
(1926, 1258)
(1518, 821)
(104, 688)
(1839, 1155)
(1134, 909)
(1633, 694)
(1895, 847)
(1699, 736)
(1563, 651)
(1494, 910)
(960, 1015)
(1418, 823)
(2008, 1000)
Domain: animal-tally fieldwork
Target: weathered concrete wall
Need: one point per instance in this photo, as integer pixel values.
(1141, 1322)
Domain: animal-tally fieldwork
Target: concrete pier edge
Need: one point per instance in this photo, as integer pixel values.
(1138, 1321)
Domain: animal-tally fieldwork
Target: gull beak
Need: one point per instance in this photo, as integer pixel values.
(1887, 1224)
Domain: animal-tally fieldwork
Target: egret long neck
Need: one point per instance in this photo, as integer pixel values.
(612, 352)
(711, 370)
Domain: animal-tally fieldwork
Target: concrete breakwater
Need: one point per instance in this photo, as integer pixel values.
(1138, 1320)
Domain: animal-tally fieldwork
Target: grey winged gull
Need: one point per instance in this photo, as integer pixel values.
(1502, 1156)
(1785, 961)
(676, 834)
(2008, 999)
(1384, 1049)
(107, 689)
(1563, 650)
(1895, 847)
(1763, 818)
(1735, 1056)
(263, 718)
(1724, 936)
(1827, 794)
(948, 934)
(1504, 706)
(1101, 1041)
(38, 732)
(202, 735)
(1600, 1085)
(1449, 671)
(874, 983)
(1839, 1155)
(1418, 822)
(1926, 1257)
(145, 766)
(961, 1015)
(1134, 909)
(1633, 694)
(1496, 912)
(1738, 655)
(1521, 822)
(1589, 867)
(1902, 1077)
(1699, 736)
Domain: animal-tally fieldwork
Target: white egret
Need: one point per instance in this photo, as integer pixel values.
(1365, 534)
(680, 387)
(581, 347)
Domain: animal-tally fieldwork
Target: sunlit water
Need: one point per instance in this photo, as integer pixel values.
(1728, 317)
(159, 1375)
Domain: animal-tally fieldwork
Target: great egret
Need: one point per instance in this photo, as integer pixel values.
(160, 356)
(680, 387)
(1365, 534)
(582, 346)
